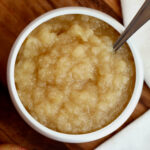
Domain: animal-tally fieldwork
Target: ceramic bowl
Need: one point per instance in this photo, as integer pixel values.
(72, 138)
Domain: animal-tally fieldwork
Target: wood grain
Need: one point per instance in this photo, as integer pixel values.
(14, 16)
(115, 5)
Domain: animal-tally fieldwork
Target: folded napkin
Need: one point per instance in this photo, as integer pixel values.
(141, 39)
(136, 136)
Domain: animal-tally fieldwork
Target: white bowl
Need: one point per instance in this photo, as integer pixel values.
(72, 138)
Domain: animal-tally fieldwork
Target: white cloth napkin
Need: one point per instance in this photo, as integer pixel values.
(141, 39)
(136, 136)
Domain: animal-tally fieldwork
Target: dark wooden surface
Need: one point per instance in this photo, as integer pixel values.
(14, 16)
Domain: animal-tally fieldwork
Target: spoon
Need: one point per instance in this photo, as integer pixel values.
(139, 20)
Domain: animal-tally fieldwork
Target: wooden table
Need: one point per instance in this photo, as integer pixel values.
(14, 16)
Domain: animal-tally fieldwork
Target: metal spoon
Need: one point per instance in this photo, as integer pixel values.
(139, 20)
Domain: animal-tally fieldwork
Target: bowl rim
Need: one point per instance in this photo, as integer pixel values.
(63, 137)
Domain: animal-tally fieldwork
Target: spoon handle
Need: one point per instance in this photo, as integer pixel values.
(140, 19)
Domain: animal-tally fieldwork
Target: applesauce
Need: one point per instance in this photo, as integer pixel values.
(69, 78)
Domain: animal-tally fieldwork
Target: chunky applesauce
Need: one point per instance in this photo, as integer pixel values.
(69, 78)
